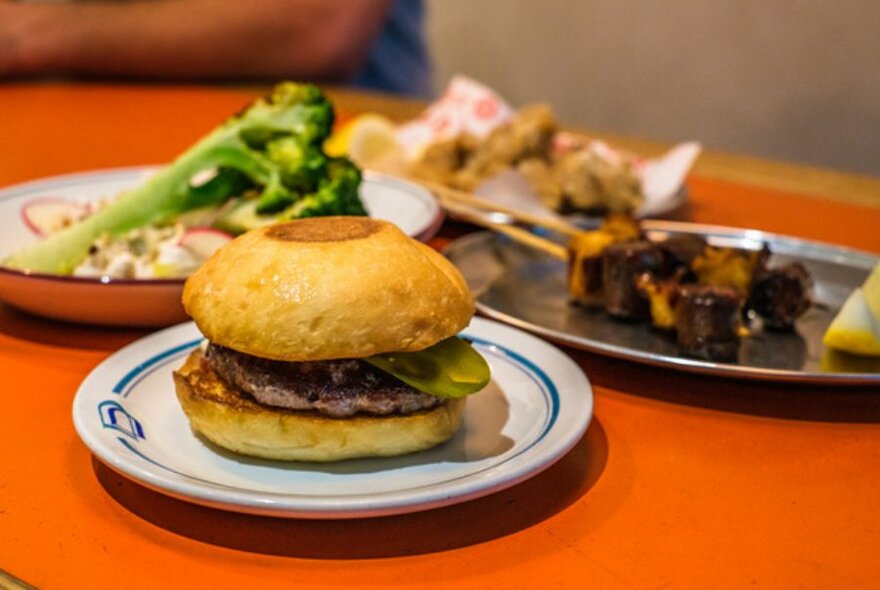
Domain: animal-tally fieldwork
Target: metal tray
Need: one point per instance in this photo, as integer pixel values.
(526, 288)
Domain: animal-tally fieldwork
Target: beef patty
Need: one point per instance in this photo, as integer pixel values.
(336, 388)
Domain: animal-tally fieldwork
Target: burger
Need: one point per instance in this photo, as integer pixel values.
(327, 339)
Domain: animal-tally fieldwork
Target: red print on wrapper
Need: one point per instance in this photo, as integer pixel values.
(486, 108)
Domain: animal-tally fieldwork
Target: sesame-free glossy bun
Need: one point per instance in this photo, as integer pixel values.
(327, 288)
(238, 423)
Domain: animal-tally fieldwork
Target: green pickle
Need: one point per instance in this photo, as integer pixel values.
(451, 368)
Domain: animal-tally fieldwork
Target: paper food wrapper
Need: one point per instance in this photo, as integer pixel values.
(470, 107)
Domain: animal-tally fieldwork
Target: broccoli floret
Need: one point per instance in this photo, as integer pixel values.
(302, 168)
(273, 147)
(337, 194)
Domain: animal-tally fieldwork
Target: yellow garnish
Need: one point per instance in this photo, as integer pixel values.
(855, 329)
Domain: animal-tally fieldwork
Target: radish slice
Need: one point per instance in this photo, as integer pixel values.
(204, 241)
(46, 215)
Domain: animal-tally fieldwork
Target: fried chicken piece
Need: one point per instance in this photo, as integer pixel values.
(442, 159)
(544, 181)
(463, 162)
(591, 183)
(581, 178)
(528, 135)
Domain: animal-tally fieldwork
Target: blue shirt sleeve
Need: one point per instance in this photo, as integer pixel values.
(399, 61)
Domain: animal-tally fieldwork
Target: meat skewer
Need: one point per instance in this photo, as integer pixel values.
(683, 284)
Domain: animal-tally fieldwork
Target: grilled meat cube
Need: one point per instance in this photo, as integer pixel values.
(622, 265)
(680, 252)
(707, 320)
(585, 256)
(781, 295)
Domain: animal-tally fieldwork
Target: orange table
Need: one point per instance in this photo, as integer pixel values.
(680, 481)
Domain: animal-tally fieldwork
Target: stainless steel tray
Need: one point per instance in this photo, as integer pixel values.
(526, 288)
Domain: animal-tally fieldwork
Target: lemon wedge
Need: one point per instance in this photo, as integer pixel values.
(855, 328)
(871, 288)
(365, 139)
(834, 361)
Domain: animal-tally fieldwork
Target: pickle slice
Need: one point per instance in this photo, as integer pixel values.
(451, 368)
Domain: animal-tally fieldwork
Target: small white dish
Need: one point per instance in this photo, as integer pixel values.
(536, 408)
(154, 302)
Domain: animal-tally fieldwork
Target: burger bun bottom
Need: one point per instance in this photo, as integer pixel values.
(240, 424)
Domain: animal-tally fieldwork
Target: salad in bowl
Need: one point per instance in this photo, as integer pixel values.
(113, 247)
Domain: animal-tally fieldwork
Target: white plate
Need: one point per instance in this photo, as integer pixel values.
(536, 408)
(151, 302)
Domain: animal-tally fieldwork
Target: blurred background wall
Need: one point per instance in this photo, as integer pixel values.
(795, 80)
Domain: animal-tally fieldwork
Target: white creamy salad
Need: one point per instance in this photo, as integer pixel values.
(143, 253)
(151, 252)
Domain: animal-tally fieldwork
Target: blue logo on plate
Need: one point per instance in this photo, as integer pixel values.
(115, 417)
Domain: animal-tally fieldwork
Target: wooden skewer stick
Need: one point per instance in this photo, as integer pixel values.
(450, 194)
(515, 233)
(10, 582)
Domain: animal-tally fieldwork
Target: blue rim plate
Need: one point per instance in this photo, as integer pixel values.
(536, 408)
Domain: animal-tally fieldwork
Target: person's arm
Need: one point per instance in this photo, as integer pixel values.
(308, 39)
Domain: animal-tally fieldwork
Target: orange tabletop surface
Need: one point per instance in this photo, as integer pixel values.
(681, 481)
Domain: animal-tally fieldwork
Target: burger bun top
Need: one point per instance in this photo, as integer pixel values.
(327, 288)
